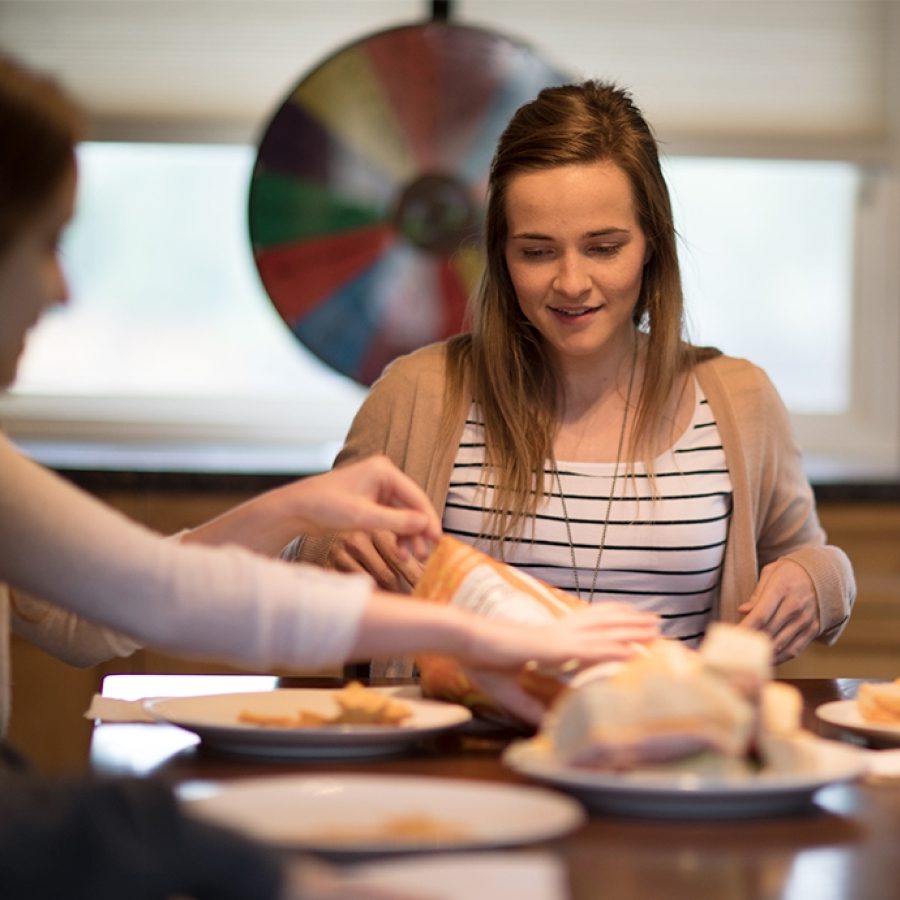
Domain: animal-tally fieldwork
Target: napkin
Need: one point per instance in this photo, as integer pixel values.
(526, 875)
(110, 709)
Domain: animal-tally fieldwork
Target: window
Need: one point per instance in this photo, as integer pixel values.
(767, 256)
(170, 336)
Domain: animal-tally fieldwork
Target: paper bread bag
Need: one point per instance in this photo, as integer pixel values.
(459, 574)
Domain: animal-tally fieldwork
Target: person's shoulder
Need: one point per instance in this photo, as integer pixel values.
(424, 359)
(425, 365)
(739, 384)
(733, 371)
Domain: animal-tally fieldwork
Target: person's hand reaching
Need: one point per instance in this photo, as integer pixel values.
(605, 632)
(371, 495)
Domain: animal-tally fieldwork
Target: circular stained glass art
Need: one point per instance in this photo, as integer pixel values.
(367, 194)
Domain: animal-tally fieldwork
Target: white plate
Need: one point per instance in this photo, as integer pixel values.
(845, 714)
(215, 719)
(809, 765)
(482, 875)
(350, 814)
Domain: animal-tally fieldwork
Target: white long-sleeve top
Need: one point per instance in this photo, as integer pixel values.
(224, 603)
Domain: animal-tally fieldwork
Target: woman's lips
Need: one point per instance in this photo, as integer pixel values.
(573, 314)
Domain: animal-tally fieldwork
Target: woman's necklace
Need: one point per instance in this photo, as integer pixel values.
(612, 492)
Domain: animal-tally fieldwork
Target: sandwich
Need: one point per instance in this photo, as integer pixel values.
(714, 710)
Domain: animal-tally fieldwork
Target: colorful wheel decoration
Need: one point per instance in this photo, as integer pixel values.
(366, 197)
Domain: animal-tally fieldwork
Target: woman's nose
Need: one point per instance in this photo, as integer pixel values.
(60, 290)
(571, 279)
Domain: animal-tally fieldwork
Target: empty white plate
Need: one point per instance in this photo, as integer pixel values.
(350, 813)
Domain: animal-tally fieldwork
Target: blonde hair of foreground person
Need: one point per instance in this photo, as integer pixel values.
(223, 602)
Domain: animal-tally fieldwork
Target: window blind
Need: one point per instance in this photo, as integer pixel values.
(819, 73)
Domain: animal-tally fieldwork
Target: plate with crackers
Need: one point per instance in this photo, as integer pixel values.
(352, 722)
(874, 714)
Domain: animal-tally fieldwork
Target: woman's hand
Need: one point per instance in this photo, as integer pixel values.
(494, 652)
(369, 495)
(380, 555)
(784, 605)
(605, 632)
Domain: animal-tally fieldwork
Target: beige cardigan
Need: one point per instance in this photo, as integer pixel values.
(774, 514)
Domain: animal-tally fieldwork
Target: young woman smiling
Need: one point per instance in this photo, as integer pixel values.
(574, 432)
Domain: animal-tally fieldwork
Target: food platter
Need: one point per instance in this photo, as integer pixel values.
(845, 714)
(776, 790)
(217, 720)
(340, 814)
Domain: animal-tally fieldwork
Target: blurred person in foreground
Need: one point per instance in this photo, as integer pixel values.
(86, 583)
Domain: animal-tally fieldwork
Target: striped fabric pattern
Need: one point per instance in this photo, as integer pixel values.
(663, 554)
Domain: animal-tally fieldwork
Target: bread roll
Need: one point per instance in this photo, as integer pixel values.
(741, 655)
(880, 702)
(659, 707)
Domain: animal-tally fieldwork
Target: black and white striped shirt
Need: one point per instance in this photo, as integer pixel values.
(662, 554)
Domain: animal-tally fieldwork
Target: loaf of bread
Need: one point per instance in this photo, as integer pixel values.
(458, 574)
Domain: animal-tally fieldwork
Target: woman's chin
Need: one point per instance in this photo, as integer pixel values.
(8, 369)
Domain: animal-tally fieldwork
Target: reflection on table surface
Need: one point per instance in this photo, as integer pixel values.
(845, 847)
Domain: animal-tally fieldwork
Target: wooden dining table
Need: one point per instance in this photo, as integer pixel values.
(846, 846)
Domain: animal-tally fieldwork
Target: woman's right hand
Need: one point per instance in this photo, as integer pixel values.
(378, 555)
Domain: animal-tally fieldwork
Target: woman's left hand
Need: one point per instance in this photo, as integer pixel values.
(784, 605)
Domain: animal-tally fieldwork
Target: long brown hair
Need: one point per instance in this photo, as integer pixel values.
(502, 361)
(39, 128)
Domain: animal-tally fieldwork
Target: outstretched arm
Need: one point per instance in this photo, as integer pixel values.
(366, 496)
(493, 652)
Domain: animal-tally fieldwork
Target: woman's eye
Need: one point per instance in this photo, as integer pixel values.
(535, 252)
(604, 249)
